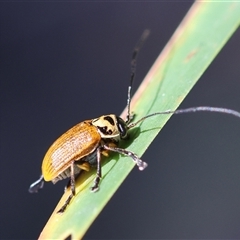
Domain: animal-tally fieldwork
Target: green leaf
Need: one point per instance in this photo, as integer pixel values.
(194, 45)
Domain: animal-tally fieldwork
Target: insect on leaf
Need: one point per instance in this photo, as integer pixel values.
(196, 42)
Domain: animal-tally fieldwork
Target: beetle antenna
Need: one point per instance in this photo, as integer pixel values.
(138, 46)
(190, 110)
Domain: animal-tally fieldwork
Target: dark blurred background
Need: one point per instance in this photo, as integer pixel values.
(63, 62)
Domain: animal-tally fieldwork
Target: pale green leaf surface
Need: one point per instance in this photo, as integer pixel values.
(201, 35)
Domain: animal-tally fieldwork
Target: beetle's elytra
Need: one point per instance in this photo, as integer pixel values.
(81, 147)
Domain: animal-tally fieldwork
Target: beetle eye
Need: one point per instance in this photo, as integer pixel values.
(122, 127)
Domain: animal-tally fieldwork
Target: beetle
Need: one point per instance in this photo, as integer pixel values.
(81, 147)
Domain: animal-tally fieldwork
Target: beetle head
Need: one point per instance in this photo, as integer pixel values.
(111, 126)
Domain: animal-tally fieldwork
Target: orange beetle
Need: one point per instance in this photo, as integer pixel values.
(81, 146)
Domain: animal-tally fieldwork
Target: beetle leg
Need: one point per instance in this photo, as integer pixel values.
(141, 165)
(84, 166)
(72, 179)
(69, 182)
(34, 187)
(94, 188)
(72, 183)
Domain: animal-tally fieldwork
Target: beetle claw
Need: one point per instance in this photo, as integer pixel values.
(94, 189)
(37, 185)
(61, 210)
(142, 165)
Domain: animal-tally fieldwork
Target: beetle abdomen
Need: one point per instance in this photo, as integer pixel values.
(66, 174)
(79, 165)
(76, 143)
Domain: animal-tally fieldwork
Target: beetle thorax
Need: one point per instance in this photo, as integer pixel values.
(107, 126)
(111, 126)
